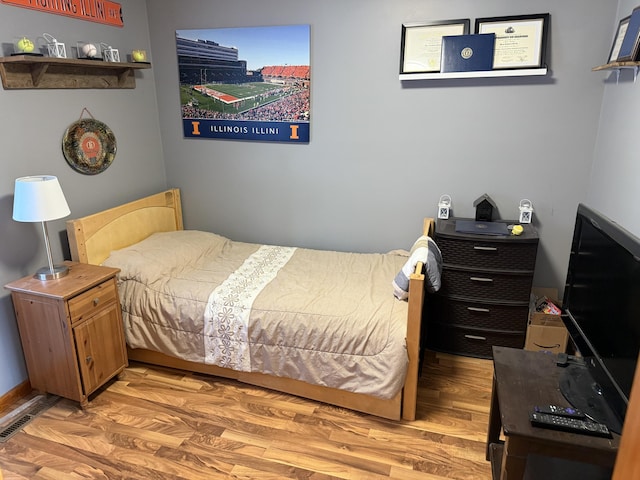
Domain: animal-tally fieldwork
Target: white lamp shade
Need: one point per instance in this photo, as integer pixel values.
(39, 198)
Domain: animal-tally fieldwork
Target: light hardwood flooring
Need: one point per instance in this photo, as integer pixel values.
(165, 424)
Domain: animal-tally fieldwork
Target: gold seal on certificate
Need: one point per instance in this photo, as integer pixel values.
(520, 40)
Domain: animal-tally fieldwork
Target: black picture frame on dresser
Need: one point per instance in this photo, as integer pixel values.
(486, 286)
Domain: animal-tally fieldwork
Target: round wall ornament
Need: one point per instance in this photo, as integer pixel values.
(89, 146)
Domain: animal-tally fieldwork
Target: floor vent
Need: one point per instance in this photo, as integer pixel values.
(16, 420)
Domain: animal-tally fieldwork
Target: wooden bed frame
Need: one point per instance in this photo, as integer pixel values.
(92, 238)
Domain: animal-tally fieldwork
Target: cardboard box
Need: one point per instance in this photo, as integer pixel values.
(545, 331)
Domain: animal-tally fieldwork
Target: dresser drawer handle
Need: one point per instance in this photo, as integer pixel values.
(96, 301)
(486, 249)
(89, 359)
(478, 309)
(475, 337)
(481, 279)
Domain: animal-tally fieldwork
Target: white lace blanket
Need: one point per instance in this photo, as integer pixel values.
(226, 317)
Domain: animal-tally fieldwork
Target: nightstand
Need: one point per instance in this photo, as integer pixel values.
(71, 330)
(486, 285)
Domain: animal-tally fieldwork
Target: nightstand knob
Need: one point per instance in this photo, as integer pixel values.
(89, 359)
(96, 301)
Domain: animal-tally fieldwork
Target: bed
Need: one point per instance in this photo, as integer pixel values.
(200, 302)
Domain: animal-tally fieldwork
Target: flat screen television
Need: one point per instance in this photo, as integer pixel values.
(601, 309)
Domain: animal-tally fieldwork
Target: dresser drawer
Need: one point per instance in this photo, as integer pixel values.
(499, 287)
(487, 254)
(506, 318)
(93, 300)
(470, 342)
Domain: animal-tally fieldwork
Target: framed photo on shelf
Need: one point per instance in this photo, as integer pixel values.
(629, 48)
(521, 40)
(618, 39)
(421, 44)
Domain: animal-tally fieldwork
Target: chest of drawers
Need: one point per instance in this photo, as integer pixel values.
(486, 284)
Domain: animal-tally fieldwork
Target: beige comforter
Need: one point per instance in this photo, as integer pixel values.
(326, 318)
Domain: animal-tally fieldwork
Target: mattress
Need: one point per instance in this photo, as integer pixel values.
(323, 317)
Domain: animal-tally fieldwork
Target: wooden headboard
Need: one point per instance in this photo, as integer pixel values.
(94, 237)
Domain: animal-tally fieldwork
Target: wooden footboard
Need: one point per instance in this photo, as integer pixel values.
(92, 238)
(414, 332)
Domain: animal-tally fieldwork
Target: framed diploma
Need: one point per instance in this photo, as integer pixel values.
(521, 41)
(617, 40)
(630, 42)
(421, 44)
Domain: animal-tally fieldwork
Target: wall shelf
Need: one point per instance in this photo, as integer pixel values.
(523, 72)
(27, 72)
(617, 66)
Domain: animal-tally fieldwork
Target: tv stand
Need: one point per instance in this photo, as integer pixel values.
(583, 392)
(523, 379)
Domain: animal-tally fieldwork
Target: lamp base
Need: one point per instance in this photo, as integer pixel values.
(45, 273)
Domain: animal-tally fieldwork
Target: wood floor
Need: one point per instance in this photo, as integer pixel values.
(165, 424)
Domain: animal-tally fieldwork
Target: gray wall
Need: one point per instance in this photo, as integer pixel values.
(614, 187)
(31, 128)
(382, 151)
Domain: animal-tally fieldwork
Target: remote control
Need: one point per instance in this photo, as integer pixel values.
(569, 424)
(560, 411)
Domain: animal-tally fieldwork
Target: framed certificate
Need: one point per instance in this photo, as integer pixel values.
(521, 41)
(421, 44)
(629, 48)
(617, 40)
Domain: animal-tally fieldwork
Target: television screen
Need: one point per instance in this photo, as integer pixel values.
(602, 313)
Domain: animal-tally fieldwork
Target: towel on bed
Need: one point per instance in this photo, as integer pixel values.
(426, 251)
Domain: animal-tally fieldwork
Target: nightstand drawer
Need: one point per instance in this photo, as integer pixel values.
(481, 253)
(468, 341)
(499, 287)
(93, 300)
(488, 316)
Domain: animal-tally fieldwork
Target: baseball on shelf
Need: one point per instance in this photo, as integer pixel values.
(25, 45)
(89, 50)
(138, 55)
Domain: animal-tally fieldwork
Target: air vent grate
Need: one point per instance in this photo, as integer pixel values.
(20, 421)
(15, 427)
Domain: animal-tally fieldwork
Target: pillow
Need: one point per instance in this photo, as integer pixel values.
(162, 253)
(426, 251)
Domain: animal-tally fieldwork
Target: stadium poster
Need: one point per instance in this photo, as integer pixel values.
(249, 83)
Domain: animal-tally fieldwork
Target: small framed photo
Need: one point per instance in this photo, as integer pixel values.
(629, 48)
(521, 40)
(617, 40)
(421, 44)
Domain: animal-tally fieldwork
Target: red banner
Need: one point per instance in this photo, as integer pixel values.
(99, 11)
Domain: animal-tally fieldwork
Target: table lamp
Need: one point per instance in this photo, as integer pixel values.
(39, 198)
